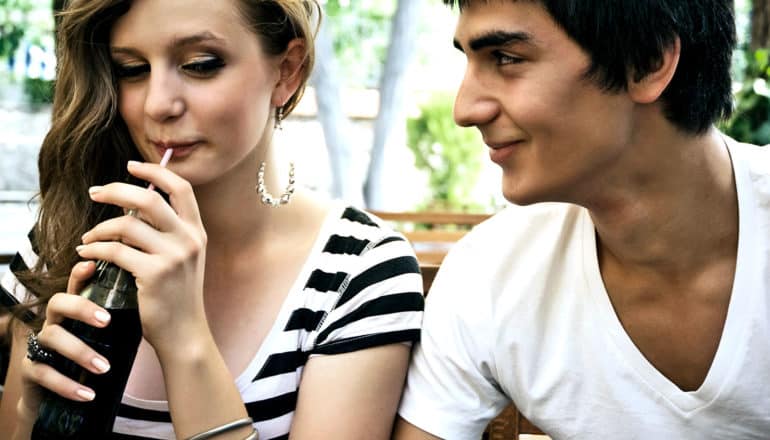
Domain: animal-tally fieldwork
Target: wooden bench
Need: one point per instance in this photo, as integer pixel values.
(509, 424)
(432, 234)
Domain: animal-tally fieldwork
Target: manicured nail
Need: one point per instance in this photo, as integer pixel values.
(94, 189)
(132, 163)
(100, 365)
(79, 248)
(85, 394)
(102, 316)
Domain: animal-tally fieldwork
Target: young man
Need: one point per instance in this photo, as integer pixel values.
(635, 304)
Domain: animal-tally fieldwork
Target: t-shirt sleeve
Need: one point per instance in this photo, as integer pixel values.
(380, 303)
(451, 391)
(12, 291)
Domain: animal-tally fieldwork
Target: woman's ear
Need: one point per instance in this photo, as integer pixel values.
(291, 69)
(647, 89)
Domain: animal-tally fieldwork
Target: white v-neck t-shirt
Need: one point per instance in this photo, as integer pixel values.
(519, 312)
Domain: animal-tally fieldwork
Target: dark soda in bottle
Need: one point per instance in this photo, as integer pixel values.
(59, 418)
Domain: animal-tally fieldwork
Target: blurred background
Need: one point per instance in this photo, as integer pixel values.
(374, 128)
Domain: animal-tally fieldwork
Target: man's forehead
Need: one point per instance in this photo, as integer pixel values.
(482, 19)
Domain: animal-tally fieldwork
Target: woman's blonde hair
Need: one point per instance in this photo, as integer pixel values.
(88, 143)
(276, 23)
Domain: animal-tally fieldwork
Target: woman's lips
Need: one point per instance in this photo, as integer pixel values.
(180, 149)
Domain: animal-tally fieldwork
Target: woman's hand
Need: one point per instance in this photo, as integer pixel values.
(163, 247)
(54, 338)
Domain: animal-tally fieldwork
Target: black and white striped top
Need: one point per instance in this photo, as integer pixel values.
(360, 287)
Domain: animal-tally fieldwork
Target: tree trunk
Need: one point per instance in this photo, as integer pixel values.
(760, 24)
(335, 124)
(391, 116)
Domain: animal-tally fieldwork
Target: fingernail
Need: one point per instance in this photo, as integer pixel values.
(79, 248)
(102, 316)
(100, 365)
(132, 163)
(85, 394)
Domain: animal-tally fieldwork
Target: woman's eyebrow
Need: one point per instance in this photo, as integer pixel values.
(177, 42)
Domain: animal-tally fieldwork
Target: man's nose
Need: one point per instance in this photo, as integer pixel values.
(475, 103)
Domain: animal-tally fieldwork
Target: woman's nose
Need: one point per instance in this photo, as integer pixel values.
(164, 99)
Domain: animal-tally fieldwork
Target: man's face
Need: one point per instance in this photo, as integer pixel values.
(551, 130)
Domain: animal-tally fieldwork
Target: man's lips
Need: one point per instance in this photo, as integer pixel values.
(500, 151)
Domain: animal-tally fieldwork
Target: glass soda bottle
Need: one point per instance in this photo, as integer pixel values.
(59, 418)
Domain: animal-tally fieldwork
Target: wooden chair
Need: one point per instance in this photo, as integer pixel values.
(509, 424)
(432, 233)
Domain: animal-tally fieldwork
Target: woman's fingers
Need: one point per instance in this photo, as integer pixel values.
(130, 259)
(179, 190)
(47, 377)
(63, 305)
(151, 206)
(127, 230)
(79, 276)
(55, 338)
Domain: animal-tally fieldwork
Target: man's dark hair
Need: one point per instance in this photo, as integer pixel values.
(629, 36)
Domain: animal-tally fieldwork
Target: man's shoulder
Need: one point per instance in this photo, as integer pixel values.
(752, 164)
(520, 242)
(519, 226)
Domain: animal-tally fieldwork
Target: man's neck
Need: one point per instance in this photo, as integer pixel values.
(675, 216)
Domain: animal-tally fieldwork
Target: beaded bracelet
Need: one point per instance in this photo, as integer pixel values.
(225, 428)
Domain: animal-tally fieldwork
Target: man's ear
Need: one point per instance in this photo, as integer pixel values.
(647, 89)
(291, 68)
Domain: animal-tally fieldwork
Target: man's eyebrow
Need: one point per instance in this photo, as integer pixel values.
(177, 42)
(495, 38)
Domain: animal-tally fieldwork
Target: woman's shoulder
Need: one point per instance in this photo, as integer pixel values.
(356, 222)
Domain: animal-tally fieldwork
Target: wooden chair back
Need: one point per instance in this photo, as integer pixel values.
(509, 424)
(432, 233)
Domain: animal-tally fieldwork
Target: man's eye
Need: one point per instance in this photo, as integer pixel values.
(205, 67)
(503, 58)
(131, 71)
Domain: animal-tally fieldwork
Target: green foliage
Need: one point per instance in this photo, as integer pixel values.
(360, 30)
(448, 153)
(750, 121)
(39, 91)
(12, 24)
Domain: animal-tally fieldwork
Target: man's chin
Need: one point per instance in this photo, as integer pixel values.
(519, 196)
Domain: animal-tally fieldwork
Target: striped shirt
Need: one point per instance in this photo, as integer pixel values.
(360, 287)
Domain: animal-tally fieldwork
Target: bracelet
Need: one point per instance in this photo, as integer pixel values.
(253, 436)
(225, 428)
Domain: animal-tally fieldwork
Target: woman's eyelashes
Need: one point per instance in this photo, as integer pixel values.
(129, 71)
(200, 68)
(204, 67)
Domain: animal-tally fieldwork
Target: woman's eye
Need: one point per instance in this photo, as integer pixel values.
(204, 67)
(502, 58)
(131, 71)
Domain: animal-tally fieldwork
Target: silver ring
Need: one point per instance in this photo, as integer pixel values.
(36, 352)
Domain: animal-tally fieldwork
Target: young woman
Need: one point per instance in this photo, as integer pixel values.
(292, 310)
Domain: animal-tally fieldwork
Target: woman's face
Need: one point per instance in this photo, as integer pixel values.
(193, 77)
